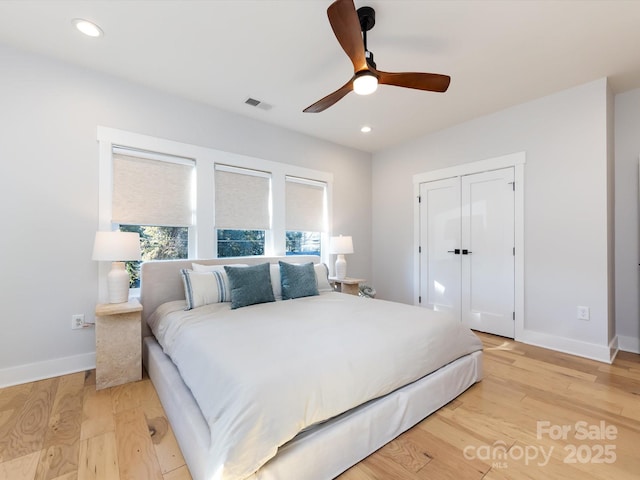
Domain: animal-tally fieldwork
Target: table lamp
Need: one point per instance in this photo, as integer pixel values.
(117, 247)
(341, 246)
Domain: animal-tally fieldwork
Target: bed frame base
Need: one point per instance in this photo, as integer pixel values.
(328, 449)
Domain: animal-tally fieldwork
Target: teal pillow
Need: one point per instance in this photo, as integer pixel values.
(298, 280)
(249, 285)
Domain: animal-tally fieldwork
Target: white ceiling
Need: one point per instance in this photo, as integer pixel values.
(284, 53)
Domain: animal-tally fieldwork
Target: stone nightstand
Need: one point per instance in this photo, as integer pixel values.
(347, 284)
(118, 343)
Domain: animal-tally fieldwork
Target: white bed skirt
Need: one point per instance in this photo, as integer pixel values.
(329, 449)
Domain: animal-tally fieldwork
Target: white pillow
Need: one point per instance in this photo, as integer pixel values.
(322, 274)
(274, 269)
(199, 267)
(203, 288)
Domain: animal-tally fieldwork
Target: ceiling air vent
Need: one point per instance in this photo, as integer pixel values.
(257, 103)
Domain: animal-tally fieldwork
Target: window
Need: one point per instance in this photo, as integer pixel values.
(305, 215)
(152, 196)
(303, 243)
(256, 220)
(242, 210)
(157, 243)
(151, 189)
(240, 243)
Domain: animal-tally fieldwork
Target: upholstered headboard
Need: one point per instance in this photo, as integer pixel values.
(160, 280)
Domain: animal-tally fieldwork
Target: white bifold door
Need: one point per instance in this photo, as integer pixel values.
(467, 249)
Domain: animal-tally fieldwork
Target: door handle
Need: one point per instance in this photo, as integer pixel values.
(456, 251)
(466, 252)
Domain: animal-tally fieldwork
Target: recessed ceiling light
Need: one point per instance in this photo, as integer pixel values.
(365, 129)
(88, 28)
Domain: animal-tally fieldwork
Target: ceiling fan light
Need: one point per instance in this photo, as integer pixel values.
(365, 84)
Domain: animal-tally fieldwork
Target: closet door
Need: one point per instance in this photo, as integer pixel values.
(467, 249)
(439, 239)
(487, 227)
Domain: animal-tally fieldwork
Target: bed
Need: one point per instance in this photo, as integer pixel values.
(306, 387)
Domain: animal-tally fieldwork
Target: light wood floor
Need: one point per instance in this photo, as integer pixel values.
(509, 426)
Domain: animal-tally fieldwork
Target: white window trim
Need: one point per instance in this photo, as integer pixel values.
(202, 237)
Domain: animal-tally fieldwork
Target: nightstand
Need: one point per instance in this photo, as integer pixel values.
(118, 343)
(347, 284)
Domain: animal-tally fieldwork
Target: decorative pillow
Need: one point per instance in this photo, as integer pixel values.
(274, 269)
(203, 288)
(199, 267)
(298, 280)
(250, 285)
(322, 276)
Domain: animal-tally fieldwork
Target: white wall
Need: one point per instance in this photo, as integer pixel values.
(49, 194)
(627, 152)
(566, 210)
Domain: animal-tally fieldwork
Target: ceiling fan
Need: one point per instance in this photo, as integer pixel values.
(350, 28)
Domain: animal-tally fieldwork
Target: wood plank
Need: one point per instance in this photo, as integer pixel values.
(452, 432)
(97, 413)
(61, 444)
(443, 470)
(181, 473)
(362, 471)
(400, 458)
(5, 417)
(14, 397)
(21, 468)
(445, 455)
(164, 441)
(136, 456)
(623, 371)
(134, 395)
(25, 432)
(99, 458)
(631, 411)
(68, 476)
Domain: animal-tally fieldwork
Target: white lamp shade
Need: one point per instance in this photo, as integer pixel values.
(116, 246)
(341, 245)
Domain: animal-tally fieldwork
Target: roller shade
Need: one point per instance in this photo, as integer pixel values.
(242, 199)
(152, 192)
(304, 205)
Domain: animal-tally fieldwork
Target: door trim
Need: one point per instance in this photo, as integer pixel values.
(515, 160)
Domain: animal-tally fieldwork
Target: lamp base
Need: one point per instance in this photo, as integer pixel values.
(118, 283)
(341, 267)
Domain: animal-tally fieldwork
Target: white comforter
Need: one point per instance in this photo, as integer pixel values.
(261, 374)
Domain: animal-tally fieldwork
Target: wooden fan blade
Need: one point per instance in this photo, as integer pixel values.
(346, 27)
(432, 82)
(330, 99)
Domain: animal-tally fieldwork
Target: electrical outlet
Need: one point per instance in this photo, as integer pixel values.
(77, 321)
(583, 313)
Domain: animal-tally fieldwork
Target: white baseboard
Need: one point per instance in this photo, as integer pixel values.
(32, 372)
(629, 344)
(601, 353)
